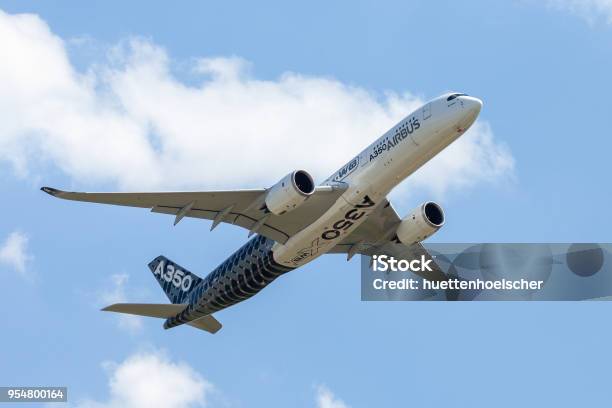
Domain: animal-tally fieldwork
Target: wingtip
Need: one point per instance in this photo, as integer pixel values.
(111, 308)
(51, 191)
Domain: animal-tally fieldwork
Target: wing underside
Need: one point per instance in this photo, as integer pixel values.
(243, 208)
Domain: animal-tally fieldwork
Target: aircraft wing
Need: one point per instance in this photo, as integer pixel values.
(238, 207)
(373, 237)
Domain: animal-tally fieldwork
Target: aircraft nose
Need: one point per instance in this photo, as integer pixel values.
(470, 109)
(471, 104)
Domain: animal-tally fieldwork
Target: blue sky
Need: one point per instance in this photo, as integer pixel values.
(115, 96)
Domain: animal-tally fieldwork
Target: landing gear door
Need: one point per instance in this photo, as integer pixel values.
(427, 111)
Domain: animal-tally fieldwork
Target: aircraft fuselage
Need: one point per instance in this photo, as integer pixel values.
(374, 172)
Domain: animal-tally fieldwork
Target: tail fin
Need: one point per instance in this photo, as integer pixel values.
(164, 311)
(176, 281)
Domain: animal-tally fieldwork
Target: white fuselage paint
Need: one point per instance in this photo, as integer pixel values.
(372, 174)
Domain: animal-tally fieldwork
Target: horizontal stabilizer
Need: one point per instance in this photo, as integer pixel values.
(164, 311)
(206, 323)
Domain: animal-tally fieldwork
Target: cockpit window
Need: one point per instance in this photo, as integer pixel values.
(453, 96)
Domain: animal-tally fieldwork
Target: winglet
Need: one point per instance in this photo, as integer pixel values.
(52, 191)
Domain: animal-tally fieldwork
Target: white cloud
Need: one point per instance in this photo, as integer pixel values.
(129, 121)
(326, 399)
(14, 252)
(117, 294)
(151, 380)
(591, 10)
(475, 158)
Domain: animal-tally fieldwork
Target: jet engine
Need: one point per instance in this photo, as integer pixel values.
(421, 223)
(290, 192)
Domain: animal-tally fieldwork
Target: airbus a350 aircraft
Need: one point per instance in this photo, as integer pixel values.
(297, 221)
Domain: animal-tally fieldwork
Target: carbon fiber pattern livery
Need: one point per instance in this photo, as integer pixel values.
(246, 272)
(175, 280)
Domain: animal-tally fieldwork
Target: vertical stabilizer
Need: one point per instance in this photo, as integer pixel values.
(176, 281)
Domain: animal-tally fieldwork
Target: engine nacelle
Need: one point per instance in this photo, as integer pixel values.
(290, 192)
(421, 223)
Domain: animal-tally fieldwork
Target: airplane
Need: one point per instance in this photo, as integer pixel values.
(296, 221)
